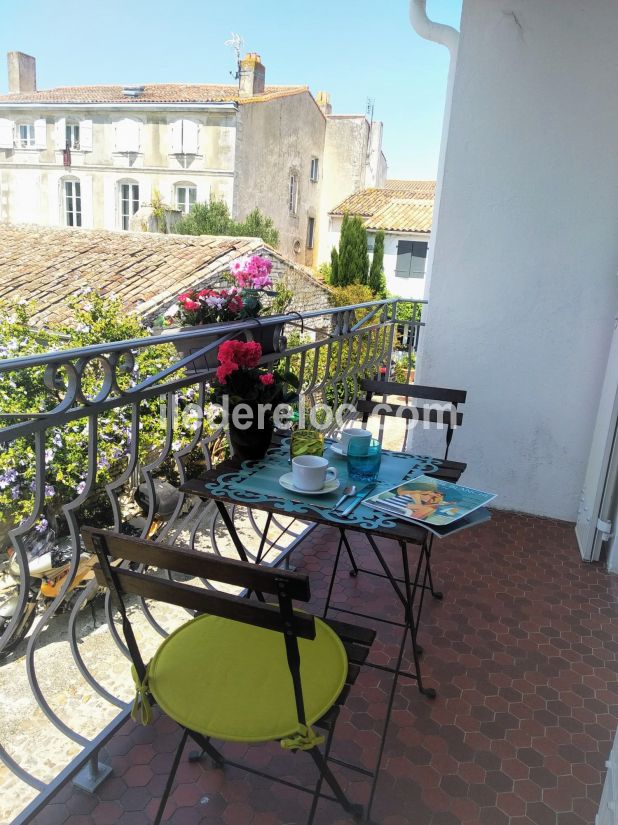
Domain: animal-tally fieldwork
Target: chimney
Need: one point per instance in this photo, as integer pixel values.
(22, 72)
(252, 75)
(323, 101)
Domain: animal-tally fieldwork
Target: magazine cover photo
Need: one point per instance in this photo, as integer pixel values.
(428, 500)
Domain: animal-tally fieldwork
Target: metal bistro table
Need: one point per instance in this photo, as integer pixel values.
(255, 484)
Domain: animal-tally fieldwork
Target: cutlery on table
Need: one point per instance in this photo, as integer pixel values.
(358, 498)
(347, 492)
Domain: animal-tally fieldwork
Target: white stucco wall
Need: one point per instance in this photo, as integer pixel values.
(403, 287)
(523, 318)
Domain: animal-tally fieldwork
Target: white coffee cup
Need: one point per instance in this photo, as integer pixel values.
(344, 436)
(311, 472)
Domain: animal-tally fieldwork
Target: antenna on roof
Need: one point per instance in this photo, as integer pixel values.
(236, 43)
(369, 109)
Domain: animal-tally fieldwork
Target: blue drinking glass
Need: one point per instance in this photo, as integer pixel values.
(364, 459)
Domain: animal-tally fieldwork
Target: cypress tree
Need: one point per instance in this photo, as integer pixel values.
(353, 259)
(377, 281)
(334, 266)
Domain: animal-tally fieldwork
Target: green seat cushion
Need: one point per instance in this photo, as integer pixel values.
(231, 680)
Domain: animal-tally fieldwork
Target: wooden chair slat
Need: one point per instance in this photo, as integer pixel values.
(207, 601)
(201, 565)
(357, 654)
(352, 632)
(430, 414)
(414, 391)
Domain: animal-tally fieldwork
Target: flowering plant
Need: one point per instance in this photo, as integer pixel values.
(250, 279)
(240, 378)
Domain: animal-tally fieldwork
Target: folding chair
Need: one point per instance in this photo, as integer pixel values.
(440, 409)
(241, 670)
(427, 413)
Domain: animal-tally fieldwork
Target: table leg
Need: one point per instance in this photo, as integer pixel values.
(240, 548)
(411, 625)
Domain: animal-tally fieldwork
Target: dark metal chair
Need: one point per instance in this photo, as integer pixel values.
(233, 672)
(439, 409)
(446, 416)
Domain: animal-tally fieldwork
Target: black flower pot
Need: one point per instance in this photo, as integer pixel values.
(251, 444)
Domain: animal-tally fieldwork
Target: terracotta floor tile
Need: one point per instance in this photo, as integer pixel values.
(522, 651)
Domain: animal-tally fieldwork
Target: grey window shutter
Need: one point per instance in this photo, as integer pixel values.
(404, 259)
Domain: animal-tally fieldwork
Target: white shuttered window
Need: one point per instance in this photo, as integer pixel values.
(184, 137)
(127, 135)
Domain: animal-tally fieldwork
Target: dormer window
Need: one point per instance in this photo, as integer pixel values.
(25, 135)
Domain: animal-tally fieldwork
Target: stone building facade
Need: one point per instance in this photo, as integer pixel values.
(91, 156)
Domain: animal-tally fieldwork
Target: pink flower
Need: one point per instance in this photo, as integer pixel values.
(190, 304)
(253, 272)
(267, 379)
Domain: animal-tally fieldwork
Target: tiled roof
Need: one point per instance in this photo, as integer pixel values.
(153, 93)
(146, 270)
(420, 188)
(392, 210)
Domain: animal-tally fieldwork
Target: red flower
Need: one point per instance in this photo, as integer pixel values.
(243, 354)
(227, 351)
(226, 368)
(249, 355)
(267, 379)
(190, 305)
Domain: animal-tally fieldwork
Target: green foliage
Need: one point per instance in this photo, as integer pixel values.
(214, 218)
(325, 271)
(94, 320)
(334, 266)
(158, 210)
(377, 280)
(402, 367)
(282, 299)
(257, 225)
(344, 296)
(353, 265)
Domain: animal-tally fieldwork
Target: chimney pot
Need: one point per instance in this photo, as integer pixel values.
(323, 101)
(22, 72)
(252, 75)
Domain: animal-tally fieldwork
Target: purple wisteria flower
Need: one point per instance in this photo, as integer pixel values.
(8, 477)
(42, 526)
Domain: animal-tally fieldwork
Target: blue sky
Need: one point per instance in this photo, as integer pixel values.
(354, 49)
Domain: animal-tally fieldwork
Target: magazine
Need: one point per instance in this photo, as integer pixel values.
(440, 506)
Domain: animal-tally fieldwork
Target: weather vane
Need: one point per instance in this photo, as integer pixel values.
(236, 43)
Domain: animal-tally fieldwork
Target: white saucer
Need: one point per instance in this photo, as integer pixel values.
(287, 482)
(337, 450)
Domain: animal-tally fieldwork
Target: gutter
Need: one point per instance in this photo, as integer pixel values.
(429, 30)
(199, 107)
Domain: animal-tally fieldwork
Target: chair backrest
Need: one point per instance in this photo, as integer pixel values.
(114, 548)
(440, 407)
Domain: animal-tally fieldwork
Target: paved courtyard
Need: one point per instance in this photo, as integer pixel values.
(522, 651)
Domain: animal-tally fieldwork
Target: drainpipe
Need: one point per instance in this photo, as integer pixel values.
(449, 37)
(426, 28)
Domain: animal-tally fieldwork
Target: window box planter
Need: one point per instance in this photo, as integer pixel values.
(270, 337)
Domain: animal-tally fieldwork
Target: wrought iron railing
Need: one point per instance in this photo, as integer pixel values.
(124, 432)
